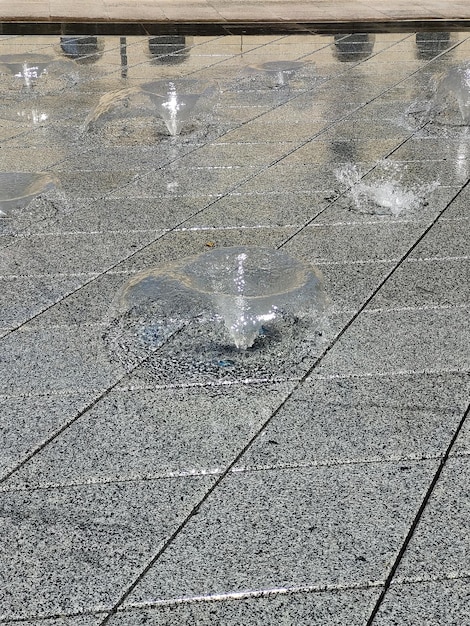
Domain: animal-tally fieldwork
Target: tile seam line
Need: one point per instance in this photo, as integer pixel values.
(225, 194)
(229, 467)
(263, 427)
(181, 386)
(87, 408)
(216, 472)
(256, 593)
(417, 519)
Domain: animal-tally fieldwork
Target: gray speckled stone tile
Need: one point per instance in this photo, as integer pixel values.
(24, 297)
(433, 603)
(284, 529)
(66, 620)
(357, 129)
(426, 284)
(349, 243)
(76, 549)
(310, 178)
(175, 180)
(440, 544)
(124, 216)
(56, 359)
(90, 304)
(181, 243)
(409, 340)
(349, 285)
(326, 608)
(424, 149)
(341, 151)
(26, 422)
(240, 210)
(91, 183)
(446, 238)
(71, 254)
(353, 420)
(459, 208)
(154, 433)
(413, 173)
(258, 130)
(241, 154)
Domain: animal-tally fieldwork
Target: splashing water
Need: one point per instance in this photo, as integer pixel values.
(278, 73)
(174, 101)
(385, 195)
(254, 296)
(451, 101)
(27, 68)
(106, 103)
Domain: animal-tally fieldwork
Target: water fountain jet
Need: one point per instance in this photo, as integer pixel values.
(28, 67)
(248, 291)
(175, 100)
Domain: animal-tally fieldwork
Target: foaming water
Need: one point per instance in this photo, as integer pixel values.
(224, 306)
(383, 194)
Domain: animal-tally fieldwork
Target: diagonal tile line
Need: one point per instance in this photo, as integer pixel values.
(416, 520)
(89, 406)
(229, 469)
(302, 144)
(229, 191)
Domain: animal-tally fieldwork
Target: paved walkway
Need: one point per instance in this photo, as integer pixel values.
(318, 479)
(316, 13)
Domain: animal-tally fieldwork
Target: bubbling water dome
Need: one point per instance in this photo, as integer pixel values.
(175, 101)
(278, 73)
(451, 100)
(18, 189)
(246, 289)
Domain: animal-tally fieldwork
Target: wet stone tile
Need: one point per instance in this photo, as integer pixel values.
(320, 151)
(440, 544)
(402, 341)
(26, 422)
(437, 602)
(326, 608)
(76, 549)
(57, 359)
(284, 529)
(349, 420)
(204, 354)
(424, 205)
(154, 433)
